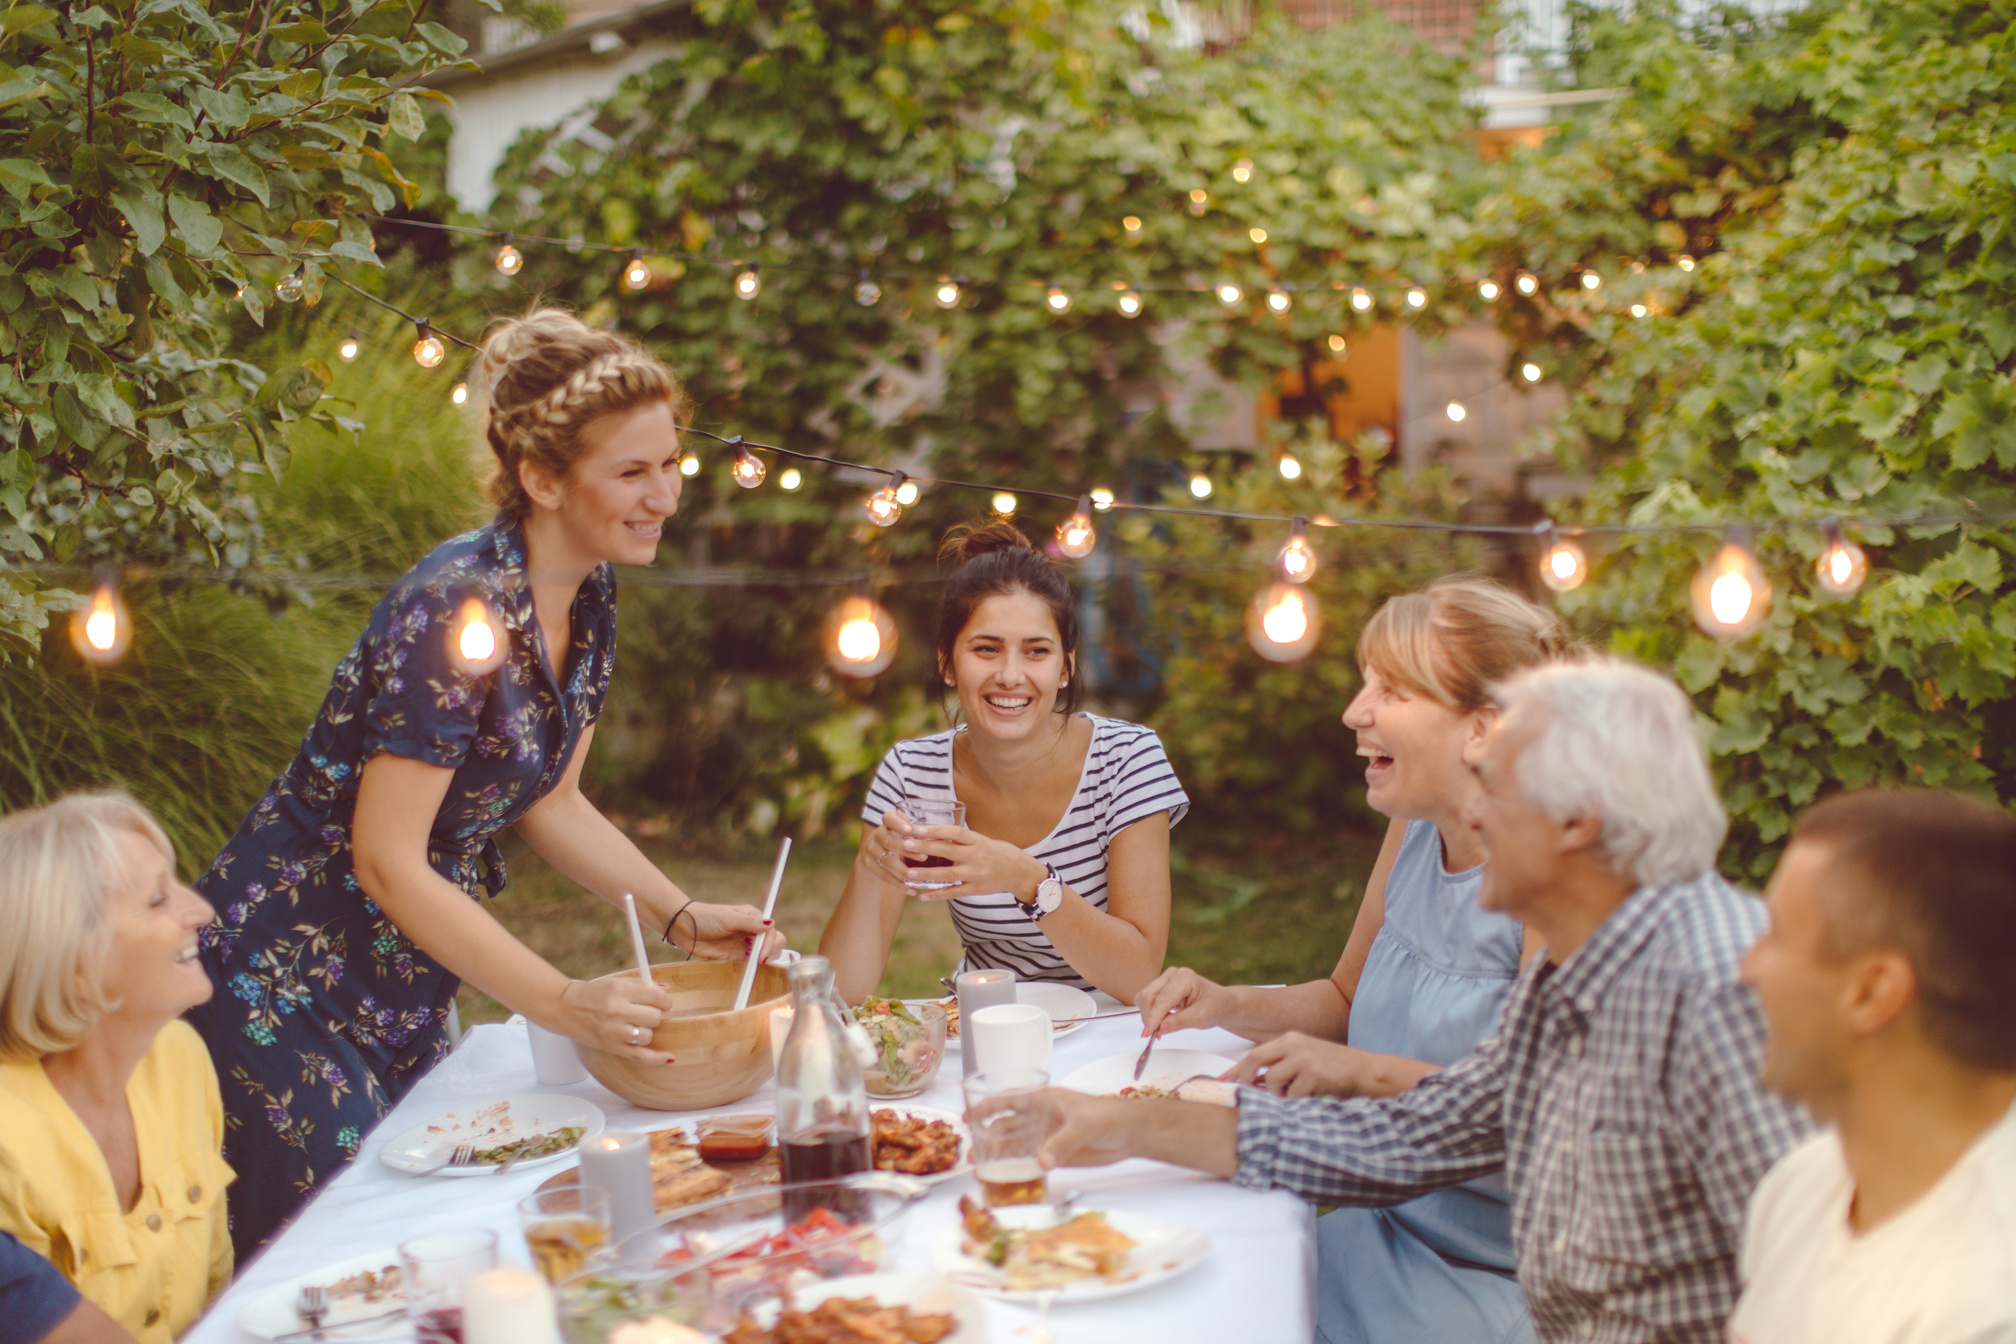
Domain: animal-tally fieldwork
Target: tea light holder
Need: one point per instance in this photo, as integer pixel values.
(621, 1165)
(508, 1306)
(977, 990)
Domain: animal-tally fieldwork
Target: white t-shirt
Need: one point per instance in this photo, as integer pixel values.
(1941, 1272)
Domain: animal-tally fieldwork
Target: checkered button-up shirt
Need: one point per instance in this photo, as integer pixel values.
(1620, 1095)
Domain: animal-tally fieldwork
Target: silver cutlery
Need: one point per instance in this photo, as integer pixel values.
(293, 1335)
(312, 1306)
(1142, 1062)
(464, 1155)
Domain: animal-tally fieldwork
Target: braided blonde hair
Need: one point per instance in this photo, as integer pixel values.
(550, 374)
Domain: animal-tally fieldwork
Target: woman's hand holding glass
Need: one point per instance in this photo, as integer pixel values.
(971, 864)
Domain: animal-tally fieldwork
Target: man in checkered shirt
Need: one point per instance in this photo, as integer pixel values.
(1620, 1091)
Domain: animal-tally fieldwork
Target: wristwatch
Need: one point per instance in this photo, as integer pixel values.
(1049, 895)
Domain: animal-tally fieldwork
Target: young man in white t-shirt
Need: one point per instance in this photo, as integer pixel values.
(1888, 978)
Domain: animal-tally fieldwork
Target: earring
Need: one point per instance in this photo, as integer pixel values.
(948, 681)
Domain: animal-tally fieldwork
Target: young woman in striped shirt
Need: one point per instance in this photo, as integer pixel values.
(1061, 872)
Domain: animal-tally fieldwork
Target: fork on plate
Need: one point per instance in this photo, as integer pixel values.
(312, 1306)
(464, 1155)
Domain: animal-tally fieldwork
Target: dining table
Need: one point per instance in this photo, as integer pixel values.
(1255, 1283)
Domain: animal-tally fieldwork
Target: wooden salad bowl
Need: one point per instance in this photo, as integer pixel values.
(719, 1055)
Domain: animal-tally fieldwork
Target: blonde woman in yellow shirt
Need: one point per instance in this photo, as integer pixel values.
(110, 1121)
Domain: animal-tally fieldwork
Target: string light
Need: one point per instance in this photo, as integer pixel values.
(636, 275)
(476, 643)
(860, 638)
(1591, 280)
(1530, 371)
(790, 478)
(1730, 593)
(1360, 300)
(883, 506)
(1102, 498)
(1563, 563)
(749, 283)
(428, 352)
(291, 285)
(1297, 560)
(1455, 411)
(1132, 225)
(1129, 303)
(1289, 467)
(1842, 566)
(866, 292)
(1686, 262)
(1200, 201)
(1637, 310)
(1242, 171)
(947, 292)
(906, 493)
(1058, 301)
(1417, 297)
(1527, 283)
(508, 259)
(348, 350)
(460, 396)
(1279, 301)
(1283, 622)
(1004, 502)
(1336, 344)
(689, 465)
(102, 631)
(1200, 486)
(1229, 294)
(1257, 234)
(748, 470)
(1487, 290)
(1075, 535)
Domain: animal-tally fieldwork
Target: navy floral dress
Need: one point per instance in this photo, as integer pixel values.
(325, 1015)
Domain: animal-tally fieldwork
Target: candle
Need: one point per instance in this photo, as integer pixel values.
(621, 1165)
(508, 1306)
(977, 990)
(780, 1027)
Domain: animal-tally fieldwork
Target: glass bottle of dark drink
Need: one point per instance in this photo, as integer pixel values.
(822, 1104)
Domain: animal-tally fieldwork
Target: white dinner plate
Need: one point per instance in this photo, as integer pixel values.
(1166, 1068)
(919, 1292)
(271, 1313)
(490, 1126)
(958, 1123)
(1162, 1250)
(1069, 1008)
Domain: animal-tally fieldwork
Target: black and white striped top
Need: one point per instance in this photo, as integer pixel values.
(1126, 777)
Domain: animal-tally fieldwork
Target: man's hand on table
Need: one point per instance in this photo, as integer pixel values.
(1082, 1131)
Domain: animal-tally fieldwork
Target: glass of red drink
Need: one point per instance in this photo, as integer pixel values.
(931, 813)
(435, 1267)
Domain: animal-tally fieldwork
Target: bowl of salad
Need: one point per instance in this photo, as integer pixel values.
(909, 1040)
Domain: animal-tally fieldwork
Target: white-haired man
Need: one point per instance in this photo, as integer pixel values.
(1620, 1092)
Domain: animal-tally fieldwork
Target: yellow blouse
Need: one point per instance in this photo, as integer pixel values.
(155, 1268)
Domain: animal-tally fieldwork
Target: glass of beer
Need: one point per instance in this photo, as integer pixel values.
(565, 1228)
(1004, 1112)
(931, 813)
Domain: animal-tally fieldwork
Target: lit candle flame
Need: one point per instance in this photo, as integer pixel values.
(101, 627)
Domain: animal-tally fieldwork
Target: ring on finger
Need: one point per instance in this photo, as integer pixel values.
(637, 1034)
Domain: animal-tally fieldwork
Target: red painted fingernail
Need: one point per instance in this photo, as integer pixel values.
(768, 922)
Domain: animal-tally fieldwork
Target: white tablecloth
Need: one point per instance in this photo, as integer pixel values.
(1256, 1285)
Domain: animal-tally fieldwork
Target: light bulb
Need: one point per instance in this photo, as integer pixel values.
(748, 470)
(1591, 280)
(508, 260)
(867, 293)
(1336, 344)
(884, 508)
(290, 286)
(791, 478)
(748, 284)
(460, 396)
(1242, 171)
(689, 465)
(906, 493)
(1257, 234)
(1102, 498)
(1279, 301)
(1637, 310)
(1290, 469)
(1200, 201)
(428, 352)
(477, 647)
(860, 638)
(1417, 297)
(1730, 593)
(348, 349)
(947, 292)
(1129, 303)
(1297, 559)
(1283, 622)
(1075, 535)
(1200, 486)
(1360, 300)
(1530, 371)
(102, 631)
(1004, 502)
(1686, 262)
(1527, 284)
(1228, 294)
(1057, 300)
(1455, 411)
(1132, 224)
(636, 275)
(1842, 566)
(1487, 290)
(1563, 563)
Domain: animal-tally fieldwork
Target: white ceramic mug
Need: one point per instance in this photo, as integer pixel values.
(555, 1061)
(1010, 1036)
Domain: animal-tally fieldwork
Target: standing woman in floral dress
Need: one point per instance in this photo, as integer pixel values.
(349, 901)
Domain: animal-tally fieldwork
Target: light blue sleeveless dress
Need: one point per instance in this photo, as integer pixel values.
(1439, 1269)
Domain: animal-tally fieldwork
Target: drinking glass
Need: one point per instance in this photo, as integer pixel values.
(565, 1228)
(932, 813)
(1006, 1119)
(435, 1268)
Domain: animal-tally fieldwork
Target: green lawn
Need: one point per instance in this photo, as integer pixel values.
(1251, 911)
